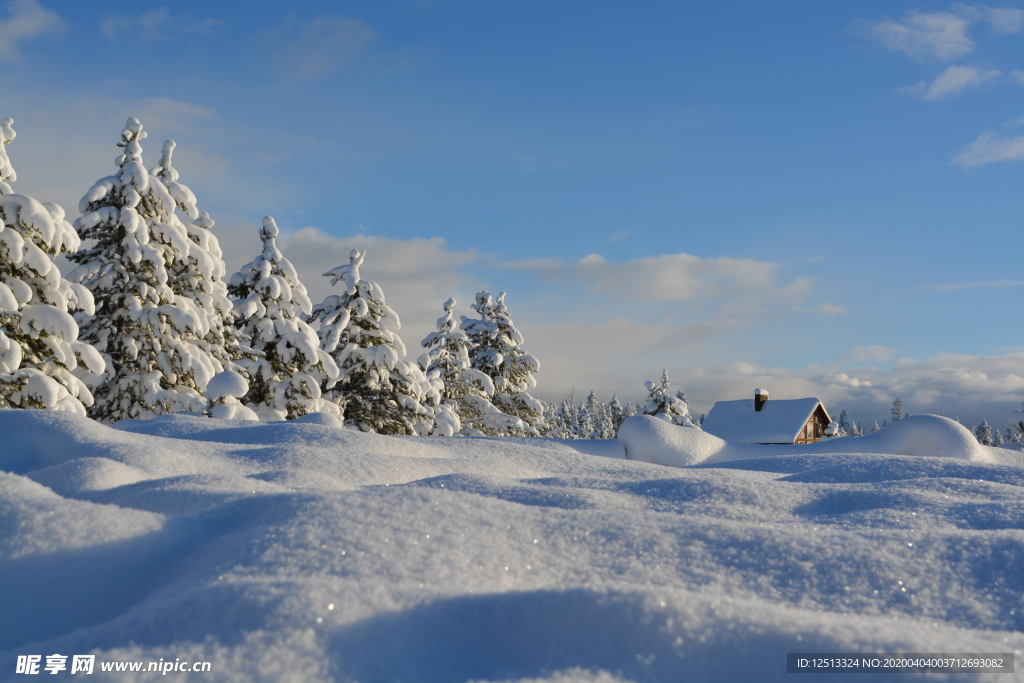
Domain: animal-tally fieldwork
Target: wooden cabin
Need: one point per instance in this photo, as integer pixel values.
(768, 421)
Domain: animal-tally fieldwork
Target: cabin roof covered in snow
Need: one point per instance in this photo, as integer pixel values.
(778, 421)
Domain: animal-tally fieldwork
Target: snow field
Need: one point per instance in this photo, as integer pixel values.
(298, 551)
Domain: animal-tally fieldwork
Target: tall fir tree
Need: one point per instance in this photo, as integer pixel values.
(285, 380)
(200, 278)
(39, 347)
(661, 403)
(496, 350)
(468, 390)
(378, 390)
(143, 329)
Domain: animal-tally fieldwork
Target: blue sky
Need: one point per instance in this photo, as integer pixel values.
(818, 198)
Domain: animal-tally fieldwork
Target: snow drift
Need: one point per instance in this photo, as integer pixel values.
(658, 441)
(298, 551)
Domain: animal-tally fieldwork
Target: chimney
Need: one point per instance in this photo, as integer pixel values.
(760, 398)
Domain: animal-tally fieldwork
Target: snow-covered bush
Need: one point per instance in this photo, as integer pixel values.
(200, 276)
(269, 302)
(495, 349)
(39, 346)
(467, 389)
(224, 392)
(144, 330)
(662, 404)
(377, 390)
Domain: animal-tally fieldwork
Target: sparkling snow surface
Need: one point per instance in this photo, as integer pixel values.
(304, 552)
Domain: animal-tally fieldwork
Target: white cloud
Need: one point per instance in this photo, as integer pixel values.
(999, 19)
(312, 49)
(618, 236)
(27, 19)
(990, 148)
(156, 24)
(952, 82)
(684, 277)
(1005, 19)
(830, 309)
(937, 35)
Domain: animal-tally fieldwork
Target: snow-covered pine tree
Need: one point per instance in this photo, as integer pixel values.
(377, 390)
(997, 438)
(845, 427)
(983, 433)
(660, 403)
(466, 388)
(39, 347)
(144, 331)
(284, 383)
(496, 350)
(874, 427)
(607, 426)
(897, 409)
(617, 413)
(200, 278)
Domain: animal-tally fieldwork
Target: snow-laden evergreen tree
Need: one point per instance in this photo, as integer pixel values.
(897, 409)
(200, 277)
(661, 403)
(845, 427)
(284, 382)
(377, 390)
(997, 438)
(874, 427)
(600, 419)
(143, 329)
(496, 350)
(983, 433)
(39, 347)
(617, 413)
(467, 389)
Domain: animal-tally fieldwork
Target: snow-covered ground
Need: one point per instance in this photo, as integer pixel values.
(299, 551)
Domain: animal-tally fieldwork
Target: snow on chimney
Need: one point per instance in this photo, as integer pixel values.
(760, 398)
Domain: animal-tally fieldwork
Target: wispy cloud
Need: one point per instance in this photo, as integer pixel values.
(959, 286)
(952, 82)
(156, 24)
(990, 148)
(830, 309)
(618, 236)
(308, 50)
(27, 19)
(925, 36)
(747, 283)
(999, 19)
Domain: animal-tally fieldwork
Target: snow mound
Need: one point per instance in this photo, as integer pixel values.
(651, 440)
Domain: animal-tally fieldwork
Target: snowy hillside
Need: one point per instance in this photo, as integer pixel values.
(298, 551)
